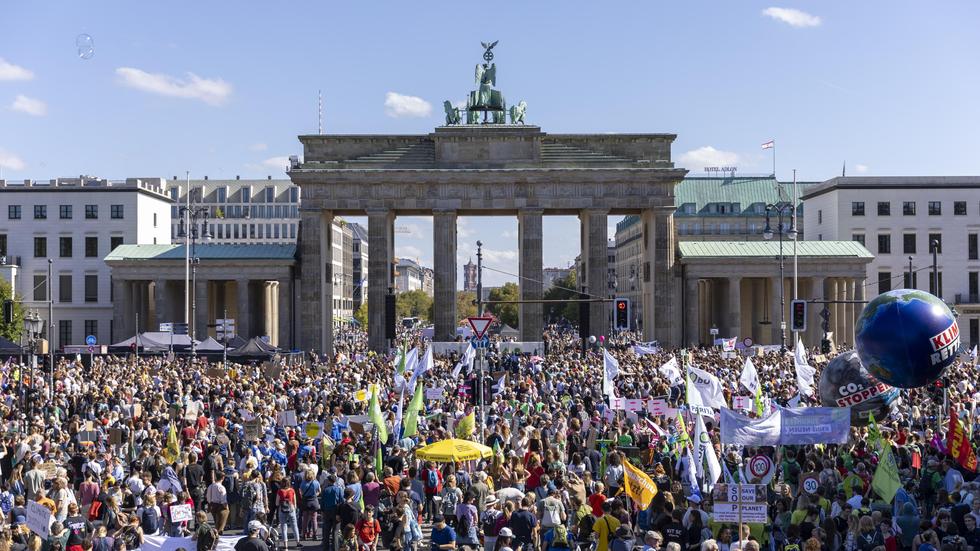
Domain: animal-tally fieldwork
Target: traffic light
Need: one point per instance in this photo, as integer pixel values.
(8, 311)
(622, 308)
(799, 315)
(825, 346)
(389, 316)
(583, 315)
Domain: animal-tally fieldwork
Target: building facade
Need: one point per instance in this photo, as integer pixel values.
(552, 275)
(74, 223)
(359, 255)
(898, 219)
(469, 276)
(409, 276)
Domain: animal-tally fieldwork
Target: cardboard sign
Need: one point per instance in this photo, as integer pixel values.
(437, 394)
(271, 370)
(253, 429)
(115, 436)
(39, 519)
(50, 470)
(742, 402)
(215, 372)
(313, 430)
(287, 418)
(191, 411)
(137, 411)
(657, 406)
(181, 513)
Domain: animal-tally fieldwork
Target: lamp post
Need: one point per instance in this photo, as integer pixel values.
(33, 325)
(767, 234)
(188, 230)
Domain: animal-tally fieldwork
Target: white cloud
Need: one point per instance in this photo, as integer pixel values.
(411, 231)
(213, 91)
(10, 161)
(509, 234)
(412, 252)
(398, 105)
(9, 71)
(258, 147)
(280, 162)
(30, 106)
(492, 256)
(708, 156)
(463, 230)
(861, 169)
(794, 18)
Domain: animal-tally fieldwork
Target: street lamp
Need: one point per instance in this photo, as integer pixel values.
(192, 215)
(32, 325)
(767, 234)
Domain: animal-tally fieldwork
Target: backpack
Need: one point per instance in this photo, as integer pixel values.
(432, 479)
(585, 527)
(149, 520)
(793, 472)
(248, 496)
(561, 536)
(927, 483)
(129, 536)
(207, 540)
(489, 524)
(463, 526)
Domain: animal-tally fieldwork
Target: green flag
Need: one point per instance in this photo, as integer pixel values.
(374, 414)
(886, 482)
(400, 360)
(757, 402)
(411, 422)
(874, 433)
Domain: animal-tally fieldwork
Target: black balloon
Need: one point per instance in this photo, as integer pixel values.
(845, 382)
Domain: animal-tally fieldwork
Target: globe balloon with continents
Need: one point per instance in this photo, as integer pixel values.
(845, 382)
(907, 338)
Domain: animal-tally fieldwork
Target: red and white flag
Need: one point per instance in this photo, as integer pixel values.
(769, 145)
(728, 345)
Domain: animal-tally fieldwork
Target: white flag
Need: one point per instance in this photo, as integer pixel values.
(467, 360)
(707, 386)
(610, 371)
(804, 373)
(501, 384)
(750, 377)
(672, 372)
(708, 467)
(424, 365)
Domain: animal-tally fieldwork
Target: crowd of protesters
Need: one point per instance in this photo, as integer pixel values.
(119, 442)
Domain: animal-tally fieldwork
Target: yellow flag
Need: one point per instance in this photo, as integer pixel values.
(886, 482)
(466, 426)
(639, 486)
(172, 453)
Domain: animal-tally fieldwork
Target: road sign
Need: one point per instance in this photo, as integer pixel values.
(91, 340)
(747, 342)
(762, 468)
(167, 327)
(91, 349)
(811, 484)
(480, 324)
(482, 342)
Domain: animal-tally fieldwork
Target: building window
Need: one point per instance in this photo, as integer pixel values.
(246, 195)
(974, 330)
(40, 212)
(114, 242)
(270, 194)
(91, 288)
(859, 237)
(91, 212)
(936, 238)
(64, 332)
(223, 194)
(857, 208)
(91, 247)
(973, 287)
(292, 231)
(64, 288)
(294, 194)
(13, 212)
(908, 243)
(884, 282)
(914, 283)
(251, 231)
(884, 208)
(971, 246)
(935, 208)
(40, 247)
(908, 208)
(820, 216)
(64, 212)
(3, 244)
(154, 219)
(40, 287)
(959, 208)
(174, 191)
(64, 247)
(116, 212)
(92, 328)
(932, 284)
(884, 243)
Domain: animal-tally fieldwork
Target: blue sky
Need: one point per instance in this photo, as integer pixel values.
(223, 88)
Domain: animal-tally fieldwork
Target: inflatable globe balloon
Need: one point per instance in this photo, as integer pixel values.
(907, 338)
(845, 382)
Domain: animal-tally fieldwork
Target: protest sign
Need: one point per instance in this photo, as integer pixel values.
(39, 519)
(181, 513)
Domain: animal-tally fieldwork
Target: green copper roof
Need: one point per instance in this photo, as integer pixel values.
(700, 192)
(206, 251)
(713, 249)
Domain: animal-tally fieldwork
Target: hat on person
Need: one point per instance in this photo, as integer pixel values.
(694, 498)
(490, 500)
(255, 526)
(505, 532)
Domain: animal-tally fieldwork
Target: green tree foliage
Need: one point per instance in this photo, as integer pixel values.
(506, 313)
(559, 291)
(11, 331)
(464, 304)
(361, 315)
(414, 304)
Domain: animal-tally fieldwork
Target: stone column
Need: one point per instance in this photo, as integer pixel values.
(284, 313)
(203, 315)
(121, 309)
(160, 304)
(596, 263)
(316, 316)
(243, 324)
(266, 315)
(530, 250)
(774, 332)
(734, 310)
(661, 290)
(834, 308)
(444, 266)
(274, 318)
(692, 312)
(381, 243)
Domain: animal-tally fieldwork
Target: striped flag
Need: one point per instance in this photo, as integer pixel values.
(769, 145)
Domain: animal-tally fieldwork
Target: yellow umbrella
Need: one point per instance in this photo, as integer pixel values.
(453, 449)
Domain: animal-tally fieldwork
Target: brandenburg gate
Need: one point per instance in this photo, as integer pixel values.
(479, 164)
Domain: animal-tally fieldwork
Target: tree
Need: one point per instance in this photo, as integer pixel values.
(465, 308)
(412, 304)
(560, 291)
(361, 315)
(506, 313)
(11, 331)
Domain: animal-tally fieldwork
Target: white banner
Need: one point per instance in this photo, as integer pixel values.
(165, 543)
(671, 371)
(785, 426)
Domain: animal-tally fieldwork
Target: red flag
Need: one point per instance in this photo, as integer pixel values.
(959, 445)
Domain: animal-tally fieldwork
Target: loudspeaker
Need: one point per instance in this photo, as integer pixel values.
(390, 317)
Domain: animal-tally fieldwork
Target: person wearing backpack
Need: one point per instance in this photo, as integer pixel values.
(150, 517)
(130, 534)
(310, 490)
(205, 535)
(432, 478)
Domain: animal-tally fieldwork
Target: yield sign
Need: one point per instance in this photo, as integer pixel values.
(480, 324)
